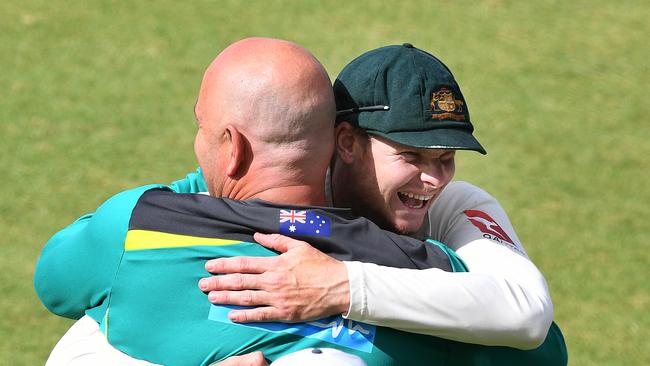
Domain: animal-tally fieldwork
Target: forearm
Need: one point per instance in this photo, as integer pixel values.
(486, 306)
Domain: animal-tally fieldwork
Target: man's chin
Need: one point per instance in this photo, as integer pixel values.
(407, 227)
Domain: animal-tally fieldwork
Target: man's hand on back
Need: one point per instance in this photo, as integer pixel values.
(300, 284)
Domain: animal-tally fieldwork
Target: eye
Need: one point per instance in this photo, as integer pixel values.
(447, 156)
(409, 155)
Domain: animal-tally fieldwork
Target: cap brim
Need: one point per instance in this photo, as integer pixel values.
(444, 138)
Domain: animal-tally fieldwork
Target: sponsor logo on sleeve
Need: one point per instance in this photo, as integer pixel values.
(489, 227)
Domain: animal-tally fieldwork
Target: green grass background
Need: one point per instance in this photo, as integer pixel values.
(97, 96)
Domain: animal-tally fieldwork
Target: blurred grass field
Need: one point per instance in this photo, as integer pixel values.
(97, 97)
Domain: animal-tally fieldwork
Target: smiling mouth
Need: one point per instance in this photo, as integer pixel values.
(412, 200)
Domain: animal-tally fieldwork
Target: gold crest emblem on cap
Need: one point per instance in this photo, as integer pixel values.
(445, 106)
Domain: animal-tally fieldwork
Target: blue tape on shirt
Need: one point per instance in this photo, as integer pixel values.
(333, 329)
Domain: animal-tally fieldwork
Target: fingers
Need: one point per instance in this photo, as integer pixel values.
(278, 242)
(243, 298)
(261, 314)
(237, 281)
(251, 359)
(275, 242)
(239, 265)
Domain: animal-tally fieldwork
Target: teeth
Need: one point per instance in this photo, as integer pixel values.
(416, 196)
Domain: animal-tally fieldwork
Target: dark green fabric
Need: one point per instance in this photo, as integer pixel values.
(425, 107)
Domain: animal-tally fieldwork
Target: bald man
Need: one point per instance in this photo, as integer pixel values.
(277, 100)
(265, 116)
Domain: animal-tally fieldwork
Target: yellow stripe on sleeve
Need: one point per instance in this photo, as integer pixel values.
(145, 239)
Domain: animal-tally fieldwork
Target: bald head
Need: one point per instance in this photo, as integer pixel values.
(279, 97)
(273, 88)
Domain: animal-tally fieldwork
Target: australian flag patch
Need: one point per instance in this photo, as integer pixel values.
(304, 223)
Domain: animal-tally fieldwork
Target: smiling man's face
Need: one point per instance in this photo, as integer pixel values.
(393, 184)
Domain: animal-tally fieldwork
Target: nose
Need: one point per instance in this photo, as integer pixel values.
(435, 174)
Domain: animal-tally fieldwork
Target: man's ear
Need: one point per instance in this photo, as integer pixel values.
(237, 159)
(348, 142)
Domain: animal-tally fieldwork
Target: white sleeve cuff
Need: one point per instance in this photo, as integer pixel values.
(358, 296)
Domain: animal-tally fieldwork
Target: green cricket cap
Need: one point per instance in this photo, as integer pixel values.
(405, 95)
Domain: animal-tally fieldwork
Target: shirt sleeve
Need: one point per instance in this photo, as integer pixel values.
(77, 265)
(502, 301)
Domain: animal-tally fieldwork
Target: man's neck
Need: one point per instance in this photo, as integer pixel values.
(277, 191)
(294, 195)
